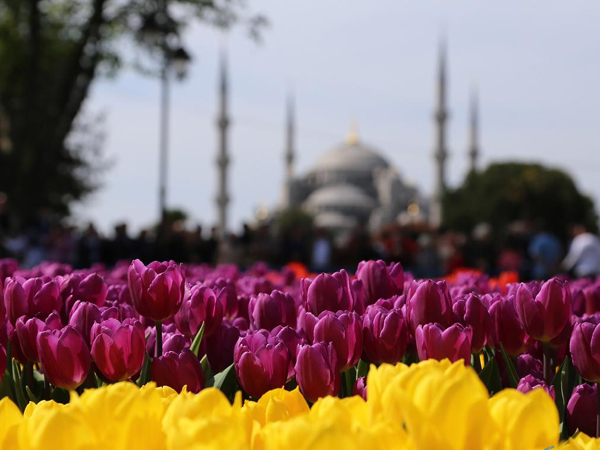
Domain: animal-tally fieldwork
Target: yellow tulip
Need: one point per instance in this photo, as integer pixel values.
(582, 442)
(277, 405)
(10, 420)
(524, 421)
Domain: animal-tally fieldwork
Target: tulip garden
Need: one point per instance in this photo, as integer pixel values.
(169, 356)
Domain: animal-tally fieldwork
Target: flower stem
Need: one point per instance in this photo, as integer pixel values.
(159, 338)
(547, 363)
(477, 362)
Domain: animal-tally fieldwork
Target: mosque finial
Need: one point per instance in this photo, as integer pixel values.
(352, 137)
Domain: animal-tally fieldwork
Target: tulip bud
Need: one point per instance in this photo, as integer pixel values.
(506, 327)
(118, 349)
(91, 288)
(329, 293)
(529, 383)
(429, 302)
(83, 316)
(380, 281)
(219, 347)
(544, 316)
(344, 331)
(157, 290)
(64, 356)
(454, 343)
(360, 388)
(306, 324)
(268, 311)
(177, 370)
(200, 305)
(176, 342)
(317, 371)
(261, 362)
(385, 335)
(35, 297)
(582, 409)
(585, 348)
(27, 331)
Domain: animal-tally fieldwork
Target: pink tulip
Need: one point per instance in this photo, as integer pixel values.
(64, 357)
(118, 349)
(177, 370)
(453, 343)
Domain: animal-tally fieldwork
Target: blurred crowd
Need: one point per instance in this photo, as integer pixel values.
(526, 247)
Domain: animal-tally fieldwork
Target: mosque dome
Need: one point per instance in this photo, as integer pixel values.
(352, 156)
(340, 196)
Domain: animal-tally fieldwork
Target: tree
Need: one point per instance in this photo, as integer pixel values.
(505, 192)
(51, 51)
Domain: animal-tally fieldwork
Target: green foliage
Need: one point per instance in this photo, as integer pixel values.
(505, 192)
(51, 52)
(293, 219)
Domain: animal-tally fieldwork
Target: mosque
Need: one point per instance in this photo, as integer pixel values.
(353, 184)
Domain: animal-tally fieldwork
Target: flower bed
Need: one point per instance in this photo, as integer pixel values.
(263, 359)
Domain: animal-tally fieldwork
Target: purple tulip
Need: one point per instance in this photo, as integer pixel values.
(27, 331)
(471, 312)
(379, 280)
(582, 408)
(429, 302)
(157, 290)
(268, 311)
(385, 335)
(176, 342)
(306, 324)
(360, 388)
(36, 297)
(219, 347)
(454, 343)
(344, 331)
(177, 370)
(261, 362)
(545, 315)
(83, 316)
(118, 349)
(317, 371)
(592, 298)
(529, 383)
(91, 288)
(330, 293)
(506, 327)
(528, 364)
(64, 356)
(200, 304)
(585, 350)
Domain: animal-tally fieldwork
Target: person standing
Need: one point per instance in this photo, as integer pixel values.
(583, 259)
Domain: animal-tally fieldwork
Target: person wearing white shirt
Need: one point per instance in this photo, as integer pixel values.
(583, 258)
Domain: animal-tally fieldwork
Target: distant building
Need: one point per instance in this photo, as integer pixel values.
(353, 184)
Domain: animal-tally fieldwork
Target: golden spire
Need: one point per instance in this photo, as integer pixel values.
(352, 136)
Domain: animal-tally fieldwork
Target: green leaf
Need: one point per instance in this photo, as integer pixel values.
(226, 381)
(362, 369)
(490, 375)
(145, 373)
(562, 391)
(32, 396)
(198, 340)
(513, 376)
(21, 395)
(208, 373)
(348, 378)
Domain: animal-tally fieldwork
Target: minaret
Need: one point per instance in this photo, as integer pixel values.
(474, 132)
(290, 151)
(441, 153)
(222, 198)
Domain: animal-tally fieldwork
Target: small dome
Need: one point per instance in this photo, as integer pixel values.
(351, 156)
(340, 196)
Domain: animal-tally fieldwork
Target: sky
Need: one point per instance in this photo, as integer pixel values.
(535, 65)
